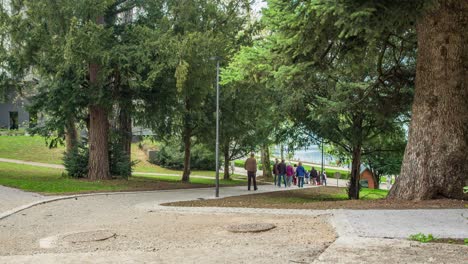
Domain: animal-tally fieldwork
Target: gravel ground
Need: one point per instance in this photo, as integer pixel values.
(176, 237)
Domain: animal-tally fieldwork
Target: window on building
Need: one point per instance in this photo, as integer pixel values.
(13, 120)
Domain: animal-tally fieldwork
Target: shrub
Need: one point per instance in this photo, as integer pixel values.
(76, 161)
(171, 155)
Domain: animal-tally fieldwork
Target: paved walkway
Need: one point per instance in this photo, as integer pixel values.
(364, 236)
(11, 198)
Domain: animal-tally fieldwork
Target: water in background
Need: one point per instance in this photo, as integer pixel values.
(311, 154)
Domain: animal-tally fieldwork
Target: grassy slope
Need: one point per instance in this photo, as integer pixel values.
(29, 149)
(52, 181)
(34, 149)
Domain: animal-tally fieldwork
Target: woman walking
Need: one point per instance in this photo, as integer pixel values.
(289, 174)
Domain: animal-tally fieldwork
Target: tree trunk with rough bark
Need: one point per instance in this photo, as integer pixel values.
(187, 146)
(98, 144)
(436, 157)
(353, 189)
(266, 162)
(71, 135)
(125, 130)
(226, 161)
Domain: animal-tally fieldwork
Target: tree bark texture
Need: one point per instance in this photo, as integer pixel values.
(187, 146)
(353, 189)
(125, 130)
(226, 161)
(98, 162)
(98, 144)
(266, 162)
(71, 135)
(436, 157)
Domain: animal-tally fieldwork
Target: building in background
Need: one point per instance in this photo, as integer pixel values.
(13, 114)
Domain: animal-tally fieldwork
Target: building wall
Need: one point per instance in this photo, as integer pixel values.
(367, 175)
(7, 107)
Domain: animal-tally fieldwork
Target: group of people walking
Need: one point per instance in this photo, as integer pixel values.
(286, 173)
(297, 175)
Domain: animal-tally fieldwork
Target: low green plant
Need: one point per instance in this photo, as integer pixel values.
(422, 237)
(465, 241)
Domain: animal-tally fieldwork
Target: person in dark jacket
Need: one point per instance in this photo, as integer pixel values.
(281, 173)
(313, 176)
(275, 170)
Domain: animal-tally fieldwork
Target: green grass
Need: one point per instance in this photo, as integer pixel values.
(53, 181)
(422, 237)
(34, 149)
(29, 149)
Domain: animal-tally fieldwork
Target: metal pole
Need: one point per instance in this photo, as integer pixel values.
(217, 128)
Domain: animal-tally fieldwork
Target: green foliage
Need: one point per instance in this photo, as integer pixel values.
(171, 155)
(422, 237)
(76, 161)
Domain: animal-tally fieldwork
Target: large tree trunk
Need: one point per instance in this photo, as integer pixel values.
(353, 189)
(71, 135)
(266, 162)
(125, 129)
(226, 161)
(187, 146)
(98, 144)
(436, 157)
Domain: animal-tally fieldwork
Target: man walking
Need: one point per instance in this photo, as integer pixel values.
(281, 173)
(251, 167)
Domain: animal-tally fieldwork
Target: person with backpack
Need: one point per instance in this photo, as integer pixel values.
(300, 172)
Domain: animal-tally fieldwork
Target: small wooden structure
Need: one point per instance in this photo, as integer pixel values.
(367, 178)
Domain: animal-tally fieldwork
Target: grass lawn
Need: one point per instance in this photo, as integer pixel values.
(321, 198)
(29, 149)
(52, 181)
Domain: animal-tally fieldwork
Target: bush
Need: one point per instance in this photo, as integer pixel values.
(76, 161)
(171, 155)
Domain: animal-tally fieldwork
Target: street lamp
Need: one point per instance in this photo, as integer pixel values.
(217, 59)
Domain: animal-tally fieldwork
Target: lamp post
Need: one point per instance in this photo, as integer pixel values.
(217, 124)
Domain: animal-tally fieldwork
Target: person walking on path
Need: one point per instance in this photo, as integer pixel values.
(289, 174)
(281, 173)
(295, 175)
(300, 172)
(313, 176)
(251, 167)
(275, 171)
(324, 178)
